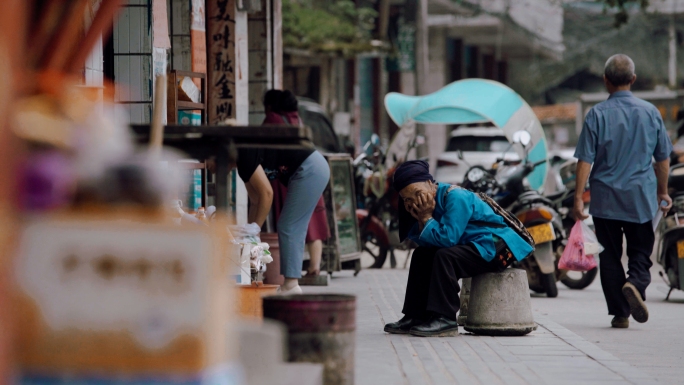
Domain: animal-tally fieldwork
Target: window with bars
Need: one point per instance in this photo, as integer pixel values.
(131, 54)
(128, 53)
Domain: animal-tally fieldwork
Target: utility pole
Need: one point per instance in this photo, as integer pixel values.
(422, 61)
(672, 62)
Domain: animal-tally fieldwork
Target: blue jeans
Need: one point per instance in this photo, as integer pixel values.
(303, 191)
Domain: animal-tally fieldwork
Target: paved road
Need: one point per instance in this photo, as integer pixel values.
(654, 349)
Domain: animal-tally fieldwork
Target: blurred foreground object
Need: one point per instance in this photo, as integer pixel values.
(81, 153)
(12, 28)
(123, 299)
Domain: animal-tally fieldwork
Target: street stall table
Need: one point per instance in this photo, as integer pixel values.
(343, 248)
(222, 142)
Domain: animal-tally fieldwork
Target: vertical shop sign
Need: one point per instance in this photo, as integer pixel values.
(221, 59)
(159, 64)
(403, 38)
(198, 39)
(406, 43)
(160, 43)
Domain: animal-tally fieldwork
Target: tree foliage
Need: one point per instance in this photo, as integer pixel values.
(331, 26)
(622, 8)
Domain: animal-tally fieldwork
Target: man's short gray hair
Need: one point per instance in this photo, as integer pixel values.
(619, 70)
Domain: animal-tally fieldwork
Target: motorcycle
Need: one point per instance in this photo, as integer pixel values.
(505, 183)
(671, 230)
(377, 218)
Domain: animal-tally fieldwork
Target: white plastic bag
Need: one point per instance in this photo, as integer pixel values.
(591, 243)
(248, 233)
(255, 251)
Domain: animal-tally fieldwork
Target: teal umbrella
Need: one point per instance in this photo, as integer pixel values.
(476, 101)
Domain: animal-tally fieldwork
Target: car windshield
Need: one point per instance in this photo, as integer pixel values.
(323, 133)
(478, 143)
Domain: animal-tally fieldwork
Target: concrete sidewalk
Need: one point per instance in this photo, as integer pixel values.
(550, 355)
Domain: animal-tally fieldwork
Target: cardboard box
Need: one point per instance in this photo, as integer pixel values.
(189, 118)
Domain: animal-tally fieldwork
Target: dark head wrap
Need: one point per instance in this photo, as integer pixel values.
(281, 101)
(412, 171)
(288, 102)
(272, 99)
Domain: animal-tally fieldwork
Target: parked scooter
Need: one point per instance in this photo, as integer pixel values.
(671, 231)
(378, 220)
(505, 183)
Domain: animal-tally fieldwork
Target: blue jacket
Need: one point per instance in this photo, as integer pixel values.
(451, 225)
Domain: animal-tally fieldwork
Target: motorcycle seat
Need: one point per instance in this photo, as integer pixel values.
(533, 196)
(555, 196)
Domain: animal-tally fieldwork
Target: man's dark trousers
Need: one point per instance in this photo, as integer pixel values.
(640, 239)
(433, 279)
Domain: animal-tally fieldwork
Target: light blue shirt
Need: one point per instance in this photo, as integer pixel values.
(451, 225)
(621, 136)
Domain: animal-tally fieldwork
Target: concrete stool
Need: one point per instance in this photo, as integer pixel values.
(465, 298)
(500, 304)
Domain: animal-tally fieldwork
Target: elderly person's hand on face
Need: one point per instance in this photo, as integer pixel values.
(417, 189)
(419, 200)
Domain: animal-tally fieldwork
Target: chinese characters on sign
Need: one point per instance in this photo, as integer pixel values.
(221, 75)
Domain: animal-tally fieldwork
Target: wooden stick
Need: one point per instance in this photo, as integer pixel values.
(47, 21)
(100, 28)
(157, 125)
(67, 37)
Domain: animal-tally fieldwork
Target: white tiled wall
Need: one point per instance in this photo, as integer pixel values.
(94, 66)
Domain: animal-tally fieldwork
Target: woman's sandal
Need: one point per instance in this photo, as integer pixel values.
(314, 273)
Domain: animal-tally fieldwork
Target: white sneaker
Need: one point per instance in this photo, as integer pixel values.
(295, 290)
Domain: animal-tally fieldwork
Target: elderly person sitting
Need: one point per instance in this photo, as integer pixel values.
(459, 236)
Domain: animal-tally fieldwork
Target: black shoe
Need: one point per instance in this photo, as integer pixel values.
(620, 322)
(403, 325)
(637, 307)
(437, 326)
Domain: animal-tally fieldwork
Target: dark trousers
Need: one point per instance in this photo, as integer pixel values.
(433, 279)
(640, 239)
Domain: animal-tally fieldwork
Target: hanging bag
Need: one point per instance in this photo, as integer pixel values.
(580, 250)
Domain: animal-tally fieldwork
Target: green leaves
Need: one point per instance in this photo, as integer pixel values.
(334, 26)
(622, 16)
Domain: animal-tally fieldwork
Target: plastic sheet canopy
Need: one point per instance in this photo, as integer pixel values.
(475, 101)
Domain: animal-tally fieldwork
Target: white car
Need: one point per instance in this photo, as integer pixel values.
(479, 146)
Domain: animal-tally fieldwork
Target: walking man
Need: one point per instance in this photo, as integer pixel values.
(620, 138)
